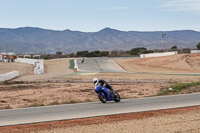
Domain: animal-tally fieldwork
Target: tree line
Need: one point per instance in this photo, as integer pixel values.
(115, 53)
(97, 53)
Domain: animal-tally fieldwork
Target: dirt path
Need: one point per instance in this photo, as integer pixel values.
(181, 120)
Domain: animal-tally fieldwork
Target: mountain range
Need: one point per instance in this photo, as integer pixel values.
(43, 41)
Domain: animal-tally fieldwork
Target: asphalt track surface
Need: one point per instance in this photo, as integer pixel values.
(85, 110)
(98, 65)
(105, 64)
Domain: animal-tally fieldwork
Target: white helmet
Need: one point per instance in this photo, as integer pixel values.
(95, 80)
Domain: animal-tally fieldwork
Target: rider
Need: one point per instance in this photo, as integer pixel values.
(83, 59)
(102, 82)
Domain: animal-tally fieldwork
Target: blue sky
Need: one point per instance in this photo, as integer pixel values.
(94, 15)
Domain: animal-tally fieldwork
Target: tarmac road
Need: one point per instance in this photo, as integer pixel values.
(84, 110)
(105, 64)
(102, 64)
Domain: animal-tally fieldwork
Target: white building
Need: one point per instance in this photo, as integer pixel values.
(7, 53)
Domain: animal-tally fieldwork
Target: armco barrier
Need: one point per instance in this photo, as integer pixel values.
(158, 54)
(38, 64)
(195, 51)
(8, 76)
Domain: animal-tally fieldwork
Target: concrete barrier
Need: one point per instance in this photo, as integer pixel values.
(38, 64)
(76, 65)
(9, 76)
(4, 60)
(158, 54)
(195, 51)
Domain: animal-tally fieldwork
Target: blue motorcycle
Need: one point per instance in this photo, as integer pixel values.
(104, 94)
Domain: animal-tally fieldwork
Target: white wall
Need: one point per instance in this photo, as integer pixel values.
(8, 53)
(195, 51)
(158, 54)
(8, 76)
(38, 64)
(76, 65)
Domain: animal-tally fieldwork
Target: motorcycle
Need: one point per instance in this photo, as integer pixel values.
(104, 94)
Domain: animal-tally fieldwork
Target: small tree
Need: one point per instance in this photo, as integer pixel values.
(95, 53)
(104, 53)
(137, 51)
(82, 53)
(198, 46)
(59, 53)
(174, 47)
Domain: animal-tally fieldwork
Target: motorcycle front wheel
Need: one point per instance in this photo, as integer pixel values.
(116, 97)
(102, 97)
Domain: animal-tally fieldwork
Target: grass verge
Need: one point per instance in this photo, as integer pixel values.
(19, 82)
(175, 88)
(71, 64)
(20, 86)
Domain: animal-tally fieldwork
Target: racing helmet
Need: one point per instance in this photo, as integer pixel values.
(95, 80)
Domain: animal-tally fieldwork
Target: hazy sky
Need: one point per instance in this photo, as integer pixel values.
(94, 15)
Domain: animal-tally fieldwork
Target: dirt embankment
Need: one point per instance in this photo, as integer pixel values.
(181, 63)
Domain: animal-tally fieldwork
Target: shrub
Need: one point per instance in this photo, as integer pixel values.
(178, 87)
(198, 46)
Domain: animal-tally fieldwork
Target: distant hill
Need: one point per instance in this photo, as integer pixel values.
(37, 40)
